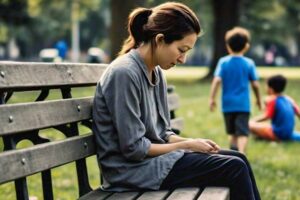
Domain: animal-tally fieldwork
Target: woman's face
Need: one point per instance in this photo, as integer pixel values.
(168, 55)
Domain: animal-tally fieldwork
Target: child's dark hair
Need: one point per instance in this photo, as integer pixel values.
(277, 83)
(237, 38)
(174, 20)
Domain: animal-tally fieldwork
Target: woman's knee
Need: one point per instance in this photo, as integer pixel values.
(236, 171)
(238, 163)
(235, 154)
(241, 156)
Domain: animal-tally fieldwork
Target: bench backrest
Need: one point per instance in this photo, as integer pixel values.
(21, 120)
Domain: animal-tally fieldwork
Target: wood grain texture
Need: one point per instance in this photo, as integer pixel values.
(124, 196)
(15, 118)
(96, 194)
(184, 194)
(24, 162)
(16, 76)
(215, 193)
(154, 195)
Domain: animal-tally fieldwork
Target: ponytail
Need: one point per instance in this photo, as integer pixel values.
(136, 21)
(173, 20)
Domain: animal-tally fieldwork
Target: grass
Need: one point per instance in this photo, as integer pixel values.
(275, 164)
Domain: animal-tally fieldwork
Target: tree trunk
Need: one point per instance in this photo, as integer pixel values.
(119, 15)
(226, 16)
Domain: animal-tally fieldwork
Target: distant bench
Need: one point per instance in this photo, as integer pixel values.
(23, 121)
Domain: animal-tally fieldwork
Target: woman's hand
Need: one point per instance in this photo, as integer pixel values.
(202, 145)
(177, 142)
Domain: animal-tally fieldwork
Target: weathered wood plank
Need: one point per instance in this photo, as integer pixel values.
(173, 101)
(96, 194)
(22, 117)
(16, 76)
(215, 193)
(23, 162)
(184, 194)
(154, 195)
(16, 118)
(124, 196)
(177, 123)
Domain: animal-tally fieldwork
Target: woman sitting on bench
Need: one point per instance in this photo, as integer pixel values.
(136, 147)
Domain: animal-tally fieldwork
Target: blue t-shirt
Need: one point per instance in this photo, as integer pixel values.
(282, 110)
(236, 72)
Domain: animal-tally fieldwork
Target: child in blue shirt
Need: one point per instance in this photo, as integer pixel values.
(281, 110)
(234, 72)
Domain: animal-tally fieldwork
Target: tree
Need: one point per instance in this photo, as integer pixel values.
(226, 16)
(14, 12)
(119, 15)
(293, 8)
(274, 23)
(49, 22)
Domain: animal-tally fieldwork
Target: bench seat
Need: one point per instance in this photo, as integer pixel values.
(209, 193)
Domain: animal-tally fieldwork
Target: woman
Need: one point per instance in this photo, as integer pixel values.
(136, 147)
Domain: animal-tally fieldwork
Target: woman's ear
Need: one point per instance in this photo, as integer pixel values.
(159, 38)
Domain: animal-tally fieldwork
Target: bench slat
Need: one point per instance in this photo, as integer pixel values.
(23, 162)
(177, 123)
(154, 195)
(37, 115)
(27, 76)
(215, 193)
(124, 196)
(96, 194)
(184, 194)
(173, 101)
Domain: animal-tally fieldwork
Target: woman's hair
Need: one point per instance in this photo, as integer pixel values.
(173, 20)
(237, 38)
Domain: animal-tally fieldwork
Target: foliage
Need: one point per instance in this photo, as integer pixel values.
(14, 12)
(271, 20)
(51, 21)
(53, 18)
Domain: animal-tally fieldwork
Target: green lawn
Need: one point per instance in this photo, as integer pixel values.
(274, 164)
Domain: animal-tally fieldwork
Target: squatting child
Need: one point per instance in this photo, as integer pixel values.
(280, 109)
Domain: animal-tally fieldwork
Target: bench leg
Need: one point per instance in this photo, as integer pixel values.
(21, 189)
(47, 185)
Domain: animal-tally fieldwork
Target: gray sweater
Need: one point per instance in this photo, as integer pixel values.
(129, 113)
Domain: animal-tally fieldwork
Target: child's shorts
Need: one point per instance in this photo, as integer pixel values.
(236, 123)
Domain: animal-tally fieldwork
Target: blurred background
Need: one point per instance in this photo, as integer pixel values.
(93, 30)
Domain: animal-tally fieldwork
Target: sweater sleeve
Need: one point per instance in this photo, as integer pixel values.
(123, 100)
(164, 101)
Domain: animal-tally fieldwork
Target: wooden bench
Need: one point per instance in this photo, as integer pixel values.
(67, 114)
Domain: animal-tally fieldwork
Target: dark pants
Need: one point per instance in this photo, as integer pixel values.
(227, 168)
